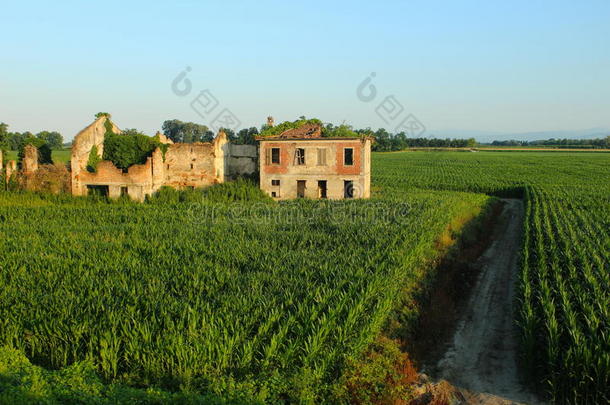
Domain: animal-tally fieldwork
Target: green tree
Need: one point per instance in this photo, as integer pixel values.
(129, 148)
(186, 132)
(607, 141)
(383, 140)
(341, 131)
(3, 136)
(246, 136)
(15, 139)
(44, 151)
(53, 139)
(94, 159)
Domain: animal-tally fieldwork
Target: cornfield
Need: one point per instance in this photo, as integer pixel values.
(271, 306)
(564, 303)
(159, 294)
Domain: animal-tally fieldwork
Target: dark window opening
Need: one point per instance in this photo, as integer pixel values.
(275, 156)
(273, 194)
(97, 190)
(322, 189)
(300, 188)
(299, 156)
(348, 189)
(275, 182)
(192, 166)
(124, 191)
(348, 156)
(167, 167)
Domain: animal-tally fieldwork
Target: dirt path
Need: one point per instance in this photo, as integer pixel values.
(481, 356)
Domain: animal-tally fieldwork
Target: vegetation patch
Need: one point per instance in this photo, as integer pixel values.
(283, 308)
(266, 307)
(44, 151)
(563, 299)
(330, 131)
(129, 147)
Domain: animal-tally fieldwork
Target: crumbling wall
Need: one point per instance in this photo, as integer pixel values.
(84, 141)
(29, 163)
(136, 182)
(182, 165)
(189, 165)
(164, 139)
(221, 153)
(10, 170)
(49, 178)
(243, 160)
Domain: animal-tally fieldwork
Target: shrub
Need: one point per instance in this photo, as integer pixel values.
(52, 179)
(383, 374)
(44, 151)
(128, 148)
(94, 159)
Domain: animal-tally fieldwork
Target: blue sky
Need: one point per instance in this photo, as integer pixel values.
(468, 66)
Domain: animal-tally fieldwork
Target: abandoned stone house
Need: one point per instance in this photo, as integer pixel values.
(301, 163)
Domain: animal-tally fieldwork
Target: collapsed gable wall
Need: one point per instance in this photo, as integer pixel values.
(84, 141)
(183, 165)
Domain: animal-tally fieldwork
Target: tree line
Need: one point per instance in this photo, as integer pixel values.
(189, 132)
(387, 142)
(597, 143)
(16, 140)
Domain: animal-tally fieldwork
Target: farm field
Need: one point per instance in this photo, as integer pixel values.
(202, 296)
(565, 277)
(164, 294)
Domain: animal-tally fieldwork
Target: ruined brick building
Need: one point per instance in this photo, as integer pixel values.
(301, 163)
(297, 163)
(183, 165)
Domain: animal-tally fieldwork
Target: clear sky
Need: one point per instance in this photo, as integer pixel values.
(514, 66)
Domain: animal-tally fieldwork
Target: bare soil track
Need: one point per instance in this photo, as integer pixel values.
(481, 356)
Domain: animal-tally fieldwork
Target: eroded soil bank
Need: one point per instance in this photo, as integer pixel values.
(474, 344)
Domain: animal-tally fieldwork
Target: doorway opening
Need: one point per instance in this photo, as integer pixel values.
(348, 189)
(96, 190)
(322, 189)
(300, 188)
